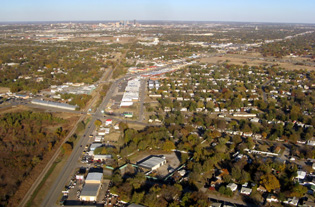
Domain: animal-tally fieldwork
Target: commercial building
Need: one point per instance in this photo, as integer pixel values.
(152, 162)
(91, 187)
(131, 93)
(54, 104)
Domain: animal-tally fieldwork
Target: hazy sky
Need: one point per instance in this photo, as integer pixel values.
(294, 11)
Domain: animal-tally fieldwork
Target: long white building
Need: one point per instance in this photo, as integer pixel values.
(54, 104)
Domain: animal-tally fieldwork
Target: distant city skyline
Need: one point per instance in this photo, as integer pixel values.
(289, 11)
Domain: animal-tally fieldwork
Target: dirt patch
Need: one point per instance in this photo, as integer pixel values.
(4, 89)
(18, 109)
(112, 137)
(254, 60)
(136, 126)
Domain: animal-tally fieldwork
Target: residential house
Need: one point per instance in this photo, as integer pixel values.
(246, 191)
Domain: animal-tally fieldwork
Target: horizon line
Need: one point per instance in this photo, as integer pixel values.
(153, 20)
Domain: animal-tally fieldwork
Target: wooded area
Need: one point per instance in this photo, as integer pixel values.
(25, 137)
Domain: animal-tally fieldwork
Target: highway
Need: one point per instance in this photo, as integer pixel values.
(29, 193)
(68, 170)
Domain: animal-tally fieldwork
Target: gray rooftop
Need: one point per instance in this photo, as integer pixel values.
(94, 176)
(53, 104)
(151, 162)
(90, 189)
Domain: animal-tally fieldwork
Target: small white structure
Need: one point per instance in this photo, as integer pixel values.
(310, 142)
(98, 138)
(232, 186)
(255, 120)
(95, 145)
(216, 205)
(183, 109)
(246, 191)
(292, 201)
(272, 198)
(108, 122)
(300, 174)
(102, 157)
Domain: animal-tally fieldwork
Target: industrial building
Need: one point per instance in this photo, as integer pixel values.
(91, 187)
(131, 93)
(54, 104)
(152, 162)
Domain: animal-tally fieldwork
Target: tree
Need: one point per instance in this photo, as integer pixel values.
(298, 191)
(168, 146)
(270, 182)
(97, 123)
(67, 147)
(81, 126)
(138, 180)
(137, 197)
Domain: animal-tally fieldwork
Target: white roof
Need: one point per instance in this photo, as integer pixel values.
(95, 145)
(95, 176)
(301, 174)
(246, 190)
(151, 162)
(232, 186)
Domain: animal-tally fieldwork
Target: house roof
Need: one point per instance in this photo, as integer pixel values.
(231, 185)
(246, 190)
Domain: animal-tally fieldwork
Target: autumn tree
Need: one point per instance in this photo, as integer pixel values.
(270, 182)
(168, 146)
(98, 123)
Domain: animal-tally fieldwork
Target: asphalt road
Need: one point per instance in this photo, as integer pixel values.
(52, 160)
(264, 93)
(141, 100)
(68, 170)
(59, 184)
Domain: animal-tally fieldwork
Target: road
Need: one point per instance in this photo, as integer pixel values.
(68, 170)
(141, 100)
(264, 93)
(29, 193)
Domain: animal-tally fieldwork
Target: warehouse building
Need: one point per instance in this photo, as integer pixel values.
(131, 93)
(54, 104)
(92, 186)
(152, 162)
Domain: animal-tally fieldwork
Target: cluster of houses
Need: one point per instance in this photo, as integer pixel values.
(72, 88)
(246, 189)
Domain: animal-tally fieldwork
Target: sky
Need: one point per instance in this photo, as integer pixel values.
(283, 11)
